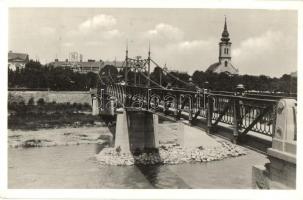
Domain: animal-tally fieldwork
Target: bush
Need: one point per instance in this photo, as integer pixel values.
(20, 108)
(41, 102)
(31, 101)
(86, 106)
(14, 98)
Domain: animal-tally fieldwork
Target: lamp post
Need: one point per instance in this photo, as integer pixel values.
(162, 72)
(239, 90)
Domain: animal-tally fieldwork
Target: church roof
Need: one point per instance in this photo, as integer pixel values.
(221, 68)
(213, 67)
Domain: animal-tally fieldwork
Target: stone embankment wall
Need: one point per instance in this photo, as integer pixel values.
(50, 96)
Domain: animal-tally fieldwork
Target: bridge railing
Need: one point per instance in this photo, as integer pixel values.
(242, 113)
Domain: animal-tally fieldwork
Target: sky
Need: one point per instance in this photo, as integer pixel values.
(263, 41)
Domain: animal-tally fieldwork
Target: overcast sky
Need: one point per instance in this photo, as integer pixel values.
(263, 41)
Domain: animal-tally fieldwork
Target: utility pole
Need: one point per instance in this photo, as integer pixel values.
(126, 64)
(148, 64)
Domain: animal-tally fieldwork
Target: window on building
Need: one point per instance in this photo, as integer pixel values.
(226, 51)
(225, 63)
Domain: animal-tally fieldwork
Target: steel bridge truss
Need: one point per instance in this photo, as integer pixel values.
(242, 113)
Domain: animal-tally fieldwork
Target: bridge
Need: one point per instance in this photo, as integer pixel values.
(129, 97)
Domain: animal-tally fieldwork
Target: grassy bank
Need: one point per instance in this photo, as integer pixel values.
(36, 115)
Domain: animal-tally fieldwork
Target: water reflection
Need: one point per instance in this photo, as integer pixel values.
(100, 146)
(161, 177)
(109, 141)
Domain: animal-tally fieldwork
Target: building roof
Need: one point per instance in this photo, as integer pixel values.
(82, 64)
(213, 67)
(86, 64)
(221, 68)
(17, 56)
(114, 63)
(294, 74)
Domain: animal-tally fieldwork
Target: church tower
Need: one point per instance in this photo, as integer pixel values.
(225, 47)
(224, 65)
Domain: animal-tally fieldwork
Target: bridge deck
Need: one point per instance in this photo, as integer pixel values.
(259, 142)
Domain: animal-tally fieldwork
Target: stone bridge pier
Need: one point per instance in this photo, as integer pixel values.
(136, 130)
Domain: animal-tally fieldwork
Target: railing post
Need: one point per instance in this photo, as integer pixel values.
(209, 113)
(176, 106)
(236, 112)
(178, 100)
(148, 98)
(102, 100)
(236, 117)
(190, 114)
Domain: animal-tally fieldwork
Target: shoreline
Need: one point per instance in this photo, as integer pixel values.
(58, 137)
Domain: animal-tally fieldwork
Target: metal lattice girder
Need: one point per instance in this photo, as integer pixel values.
(250, 114)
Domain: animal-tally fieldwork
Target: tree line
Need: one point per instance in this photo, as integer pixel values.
(35, 75)
(224, 82)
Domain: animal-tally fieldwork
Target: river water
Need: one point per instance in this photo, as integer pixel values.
(72, 167)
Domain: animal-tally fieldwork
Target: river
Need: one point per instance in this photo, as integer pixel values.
(75, 166)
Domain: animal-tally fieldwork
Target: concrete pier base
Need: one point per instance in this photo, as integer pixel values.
(95, 106)
(136, 131)
(122, 134)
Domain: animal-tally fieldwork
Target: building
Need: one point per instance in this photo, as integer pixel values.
(224, 65)
(84, 66)
(17, 60)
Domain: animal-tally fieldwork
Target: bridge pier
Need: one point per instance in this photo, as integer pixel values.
(95, 106)
(136, 131)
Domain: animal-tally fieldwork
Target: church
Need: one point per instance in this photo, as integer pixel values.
(224, 65)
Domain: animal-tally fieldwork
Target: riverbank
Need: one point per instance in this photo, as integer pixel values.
(58, 137)
(32, 114)
(51, 120)
(169, 152)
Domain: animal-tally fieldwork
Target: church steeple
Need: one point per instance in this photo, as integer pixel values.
(225, 46)
(224, 65)
(225, 34)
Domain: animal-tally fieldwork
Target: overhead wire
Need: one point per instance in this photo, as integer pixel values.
(175, 77)
(151, 80)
